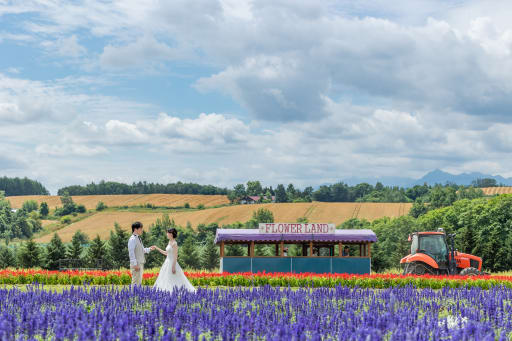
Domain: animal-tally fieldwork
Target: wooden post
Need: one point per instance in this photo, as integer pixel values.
(360, 250)
(252, 248)
(277, 249)
(282, 248)
(311, 249)
(340, 246)
(369, 250)
(221, 249)
(248, 249)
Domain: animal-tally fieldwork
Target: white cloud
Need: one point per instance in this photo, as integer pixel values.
(124, 133)
(69, 150)
(25, 101)
(142, 51)
(66, 47)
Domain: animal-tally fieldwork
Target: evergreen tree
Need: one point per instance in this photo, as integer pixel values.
(43, 209)
(210, 256)
(75, 249)
(7, 258)
(55, 251)
(30, 254)
(234, 250)
(117, 247)
(96, 255)
(281, 194)
(188, 255)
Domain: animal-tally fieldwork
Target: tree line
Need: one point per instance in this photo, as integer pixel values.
(197, 250)
(19, 186)
(442, 195)
(141, 187)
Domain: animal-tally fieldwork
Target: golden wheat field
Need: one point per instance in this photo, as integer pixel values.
(496, 190)
(90, 201)
(102, 223)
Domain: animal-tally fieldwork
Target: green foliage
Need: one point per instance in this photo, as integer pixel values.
(81, 209)
(187, 205)
(96, 254)
(30, 254)
(76, 249)
(55, 251)
(206, 231)
(100, 206)
(263, 215)
(157, 236)
(210, 256)
(237, 193)
(200, 207)
(254, 188)
(142, 187)
(18, 186)
(65, 220)
(235, 250)
(17, 224)
(442, 196)
(118, 248)
(392, 242)
(68, 206)
(7, 258)
(485, 182)
(188, 255)
(30, 205)
(43, 209)
(418, 208)
(81, 237)
(281, 194)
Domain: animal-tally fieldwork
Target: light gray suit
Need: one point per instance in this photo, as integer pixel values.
(136, 252)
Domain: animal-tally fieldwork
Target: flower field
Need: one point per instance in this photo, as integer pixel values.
(260, 313)
(210, 279)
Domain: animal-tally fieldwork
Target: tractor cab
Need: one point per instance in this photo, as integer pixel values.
(432, 244)
(430, 254)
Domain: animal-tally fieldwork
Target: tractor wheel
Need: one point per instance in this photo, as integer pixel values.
(417, 268)
(470, 272)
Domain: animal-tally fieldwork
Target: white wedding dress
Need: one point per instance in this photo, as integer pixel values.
(168, 281)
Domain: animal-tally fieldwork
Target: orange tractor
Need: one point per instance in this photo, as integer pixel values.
(430, 255)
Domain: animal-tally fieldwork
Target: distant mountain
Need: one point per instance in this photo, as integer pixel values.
(439, 177)
(434, 177)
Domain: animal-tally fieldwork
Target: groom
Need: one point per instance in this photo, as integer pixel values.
(136, 252)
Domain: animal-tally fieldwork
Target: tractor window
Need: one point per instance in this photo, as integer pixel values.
(414, 244)
(434, 244)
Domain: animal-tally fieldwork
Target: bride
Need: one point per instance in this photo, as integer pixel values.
(171, 275)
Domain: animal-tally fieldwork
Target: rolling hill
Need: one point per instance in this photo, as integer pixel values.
(102, 223)
(90, 201)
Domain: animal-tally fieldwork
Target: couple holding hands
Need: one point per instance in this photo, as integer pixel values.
(171, 275)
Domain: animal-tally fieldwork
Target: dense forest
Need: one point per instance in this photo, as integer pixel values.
(110, 187)
(19, 186)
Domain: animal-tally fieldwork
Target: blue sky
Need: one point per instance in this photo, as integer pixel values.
(222, 92)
